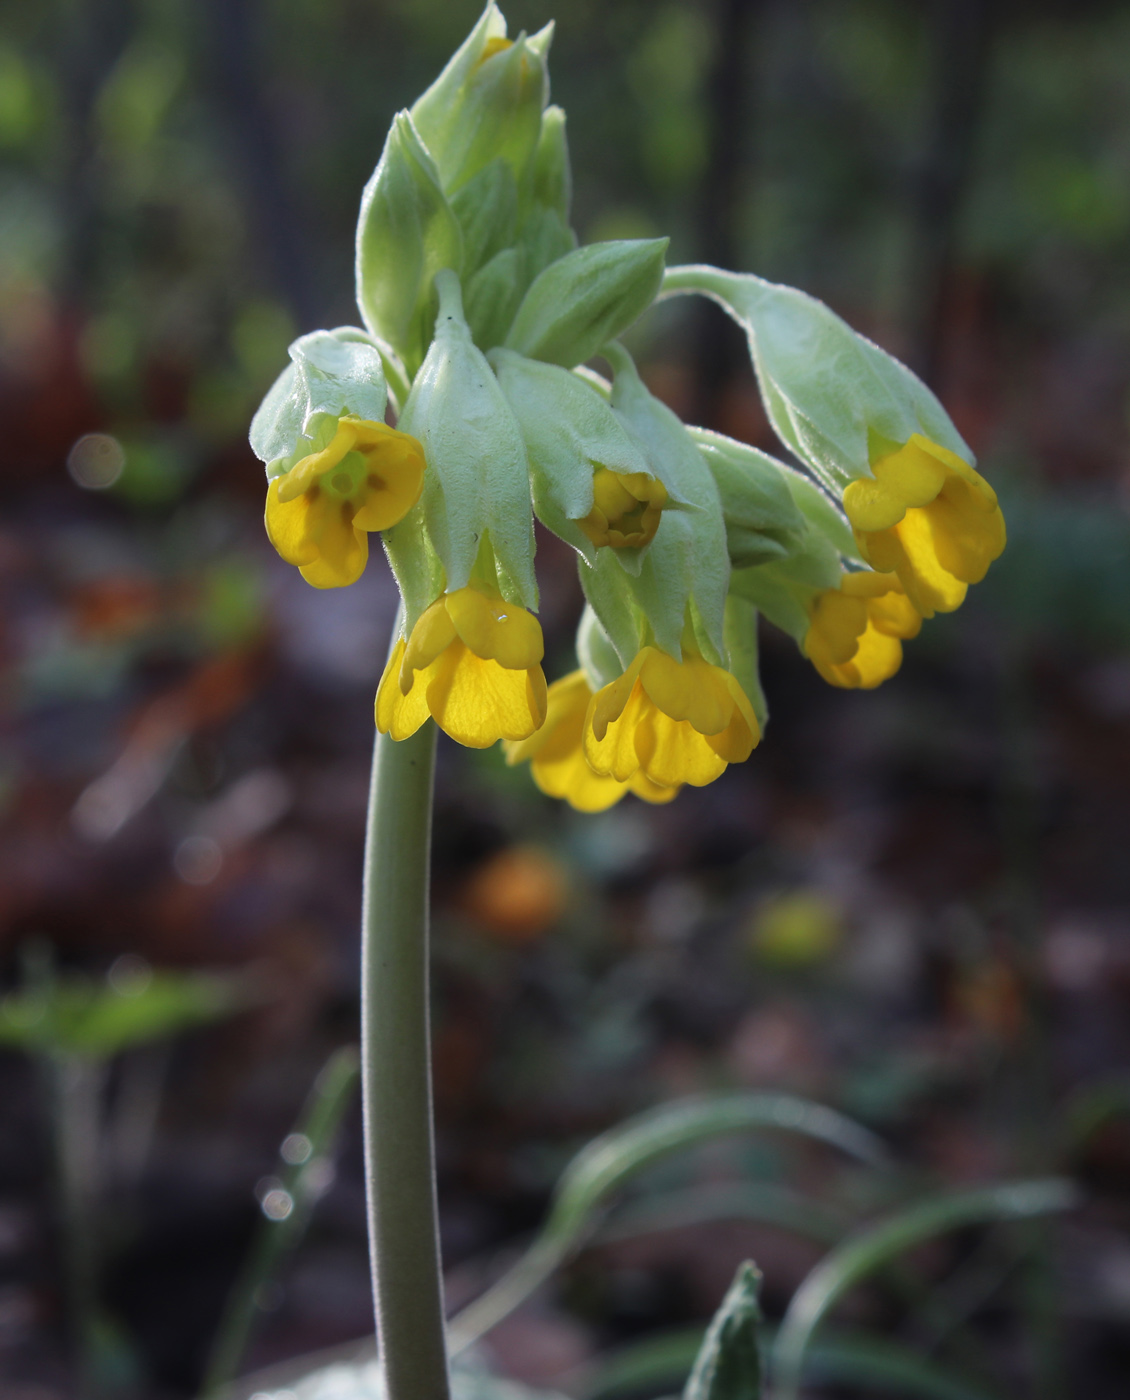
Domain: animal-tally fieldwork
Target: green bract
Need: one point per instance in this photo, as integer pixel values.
(331, 373)
(476, 484)
(406, 233)
(586, 298)
(831, 395)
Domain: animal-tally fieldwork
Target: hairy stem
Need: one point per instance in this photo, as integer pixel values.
(395, 1070)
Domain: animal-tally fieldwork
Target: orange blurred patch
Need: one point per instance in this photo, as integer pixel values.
(517, 894)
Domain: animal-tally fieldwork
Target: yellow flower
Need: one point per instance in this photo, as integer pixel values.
(557, 759)
(626, 509)
(318, 513)
(674, 721)
(473, 662)
(930, 518)
(853, 639)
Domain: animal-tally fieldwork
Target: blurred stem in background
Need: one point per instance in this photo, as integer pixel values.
(960, 33)
(396, 1071)
(305, 1173)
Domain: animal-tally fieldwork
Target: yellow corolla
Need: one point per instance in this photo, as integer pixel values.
(854, 637)
(557, 759)
(626, 509)
(674, 721)
(319, 514)
(929, 517)
(473, 663)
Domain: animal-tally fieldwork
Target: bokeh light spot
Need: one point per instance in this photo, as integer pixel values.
(96, 461)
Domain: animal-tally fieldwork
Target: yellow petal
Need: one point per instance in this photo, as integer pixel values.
(433, 633)
(608, 704)
(672, 751)
(642, 786)
(611, 750)
(478, 701)
(394, 478)
(495, 629)
(286, 523)
(396, 713)
(306, 471)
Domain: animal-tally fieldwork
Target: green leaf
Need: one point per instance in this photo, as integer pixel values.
(729, 1365)
(878, 1244)
(97, 1020)
(586, 298)
(609, 1161)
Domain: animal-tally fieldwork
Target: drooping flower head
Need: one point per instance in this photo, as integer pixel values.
(556, 754)
(928, 516)
(857, 630)
(319, 514)
(673, 721)
(472, 663)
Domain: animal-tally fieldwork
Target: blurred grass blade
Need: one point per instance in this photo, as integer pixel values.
(878, 1244)
(305, 1172)
(729, 1365)
(611, 1159)
(661, 1363)
(764, 1201)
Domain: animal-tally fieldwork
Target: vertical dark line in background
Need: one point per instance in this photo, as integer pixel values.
(234, 34)
(960, 35)
(93, 42)
(719, 345)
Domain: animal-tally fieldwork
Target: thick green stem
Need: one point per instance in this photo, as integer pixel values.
(395, 1070)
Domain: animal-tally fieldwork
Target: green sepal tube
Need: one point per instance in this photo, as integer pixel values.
(762, 519)
(834, 398)
(331, 374)
(477, 479)
(552, 171)
(487, 102)
(587, 298)
(608, 592)
(785, 588)
(569, 431)
(595, 652)
(687, 562)
(406, 233)
(742, 649)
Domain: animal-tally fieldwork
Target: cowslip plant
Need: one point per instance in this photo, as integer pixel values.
(481, 313)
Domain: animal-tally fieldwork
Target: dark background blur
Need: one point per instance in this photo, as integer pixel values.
(911, 904)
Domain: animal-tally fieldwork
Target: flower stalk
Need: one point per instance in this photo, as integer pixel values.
(396, 1071)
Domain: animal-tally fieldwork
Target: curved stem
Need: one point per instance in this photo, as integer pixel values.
(395, 1070)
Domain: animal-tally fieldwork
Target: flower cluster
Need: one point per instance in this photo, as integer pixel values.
(481, 313)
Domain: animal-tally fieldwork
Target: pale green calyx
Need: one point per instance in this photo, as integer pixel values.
(331, 374)
(762, 519)
(406, 233)
(830, 393)
(476, 484)
(570, 432)
(586, 298)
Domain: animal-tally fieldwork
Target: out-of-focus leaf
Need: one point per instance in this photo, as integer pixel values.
(96, 1020)
(878, 1244)
(728, 1367)
(610, 1160)
(360, 1380)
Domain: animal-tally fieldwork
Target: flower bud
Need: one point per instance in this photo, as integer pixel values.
(406, 232)
(586, 298)
(332, 374)
(487, 210)
(571, 433)
(494, 294)
(552, 173)
(477, 482)
(487, 102)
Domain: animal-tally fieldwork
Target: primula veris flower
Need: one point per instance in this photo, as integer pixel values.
(856, 634)
(674, 721)
(557, 759)
(626, 509)
(319, 513)
(928, 516)
(473, 663)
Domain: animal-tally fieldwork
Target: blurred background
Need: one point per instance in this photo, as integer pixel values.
(910, 904)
